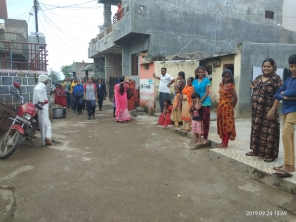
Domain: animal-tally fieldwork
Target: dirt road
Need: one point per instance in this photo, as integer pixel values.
(108, 171)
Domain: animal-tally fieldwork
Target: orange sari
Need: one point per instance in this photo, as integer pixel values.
(225, 111)
(187, 92)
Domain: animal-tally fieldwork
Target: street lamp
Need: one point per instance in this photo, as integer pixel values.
(221, 9)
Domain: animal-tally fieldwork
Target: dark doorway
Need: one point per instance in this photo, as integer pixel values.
(230, 67)
(134, 65)
(112, 83)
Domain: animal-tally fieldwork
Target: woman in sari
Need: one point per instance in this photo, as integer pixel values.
(201, 86)
(265, 132)
(186, 102)
(132, 101)
(225, 111)
(121, 112)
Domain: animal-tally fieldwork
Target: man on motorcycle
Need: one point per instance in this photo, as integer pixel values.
(40, 98)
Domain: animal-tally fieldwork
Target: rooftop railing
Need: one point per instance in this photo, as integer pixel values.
(23, 56)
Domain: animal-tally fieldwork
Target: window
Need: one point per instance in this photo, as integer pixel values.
(134, 65)
(146, 66)
(269, 14)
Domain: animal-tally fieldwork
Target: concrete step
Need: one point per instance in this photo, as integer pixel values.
(253, 167)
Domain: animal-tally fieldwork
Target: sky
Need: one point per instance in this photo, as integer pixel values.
(68, 26)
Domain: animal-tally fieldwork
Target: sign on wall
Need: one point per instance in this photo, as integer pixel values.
(146, 89)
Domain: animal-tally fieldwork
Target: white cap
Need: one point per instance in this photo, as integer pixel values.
(42, 78)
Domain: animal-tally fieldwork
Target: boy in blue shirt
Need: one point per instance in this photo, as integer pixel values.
(287, 93)
(78, 92)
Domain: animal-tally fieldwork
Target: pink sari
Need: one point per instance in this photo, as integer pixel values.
(121, 113)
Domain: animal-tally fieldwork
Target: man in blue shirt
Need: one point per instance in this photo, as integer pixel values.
(287, 93)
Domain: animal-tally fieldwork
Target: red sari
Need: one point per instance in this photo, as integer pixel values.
(165, 117)
(132, 101)
(60, 98)
(225, 111)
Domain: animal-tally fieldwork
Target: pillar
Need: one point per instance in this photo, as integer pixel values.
(107, 15)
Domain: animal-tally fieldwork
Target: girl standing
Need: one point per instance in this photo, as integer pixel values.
(195, 110)
(186, 102)
(176, 112)
(265, 132)
(121, 112)
(202, 87)
(225, 111)
(165, 117)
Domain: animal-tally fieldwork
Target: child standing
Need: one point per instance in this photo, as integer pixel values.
(287, 93)
(195, 110)
(225, 111)
(176, 112)
(186, 102)
(165, 117)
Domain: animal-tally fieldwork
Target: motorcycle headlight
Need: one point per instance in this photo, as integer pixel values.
(27, 116)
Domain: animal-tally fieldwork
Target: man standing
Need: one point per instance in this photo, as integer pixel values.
(40, 98)
(66, 85)
(166, 80)
(102, 93)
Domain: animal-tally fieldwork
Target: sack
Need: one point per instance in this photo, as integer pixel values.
(129, 93)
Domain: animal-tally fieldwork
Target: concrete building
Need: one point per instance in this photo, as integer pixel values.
(289, 18)
(82, 70)
(20, 60)
(158, 28)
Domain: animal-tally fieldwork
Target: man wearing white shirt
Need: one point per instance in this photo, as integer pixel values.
(166, 80)
(40, 98)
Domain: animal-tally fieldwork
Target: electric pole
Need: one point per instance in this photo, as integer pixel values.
(36, 4)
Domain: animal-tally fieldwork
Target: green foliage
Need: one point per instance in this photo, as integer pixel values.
(53, 75)
(66, 70)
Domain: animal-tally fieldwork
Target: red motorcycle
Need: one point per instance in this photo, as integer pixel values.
(23, 125)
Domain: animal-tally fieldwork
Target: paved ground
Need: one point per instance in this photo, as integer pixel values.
(108, 171)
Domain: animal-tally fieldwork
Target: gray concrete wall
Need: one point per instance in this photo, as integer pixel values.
(27, 82)
(172, 28)
(253, 54)
(17, 26)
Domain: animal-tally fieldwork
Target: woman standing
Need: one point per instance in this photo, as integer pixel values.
(265, 130)
(225, 111)
(121, 112)
(202, 87)
(90, 96)
(186, 102)
(132, 101)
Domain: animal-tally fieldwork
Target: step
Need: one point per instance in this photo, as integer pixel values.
(254, 167)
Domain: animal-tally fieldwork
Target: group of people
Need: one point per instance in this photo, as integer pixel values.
(191, 110)
(78, 95)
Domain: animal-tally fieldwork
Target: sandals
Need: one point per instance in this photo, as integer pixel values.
(250, 154)
(269, 160)
(282, 173)
(278, 167)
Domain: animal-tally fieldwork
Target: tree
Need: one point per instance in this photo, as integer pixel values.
(66, 70)
(53, 75)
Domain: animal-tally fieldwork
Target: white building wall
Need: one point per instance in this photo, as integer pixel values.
(289, 15)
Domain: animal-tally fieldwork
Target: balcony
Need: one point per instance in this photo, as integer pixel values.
(15, 55)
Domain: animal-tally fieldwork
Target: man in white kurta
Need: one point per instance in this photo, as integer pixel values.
(40, 97)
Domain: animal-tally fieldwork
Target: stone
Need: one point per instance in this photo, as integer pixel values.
(12, 74)
(13, 89)
(23, 89)
(8, 99)
(30, 89)
(17, 79)
(31, 75)
(32, 81)
(1, 99)
(7, 81)
(3, 74)
(25, 81)
(4, 89)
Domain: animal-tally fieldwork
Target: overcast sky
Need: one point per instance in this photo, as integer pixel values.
(68, 30)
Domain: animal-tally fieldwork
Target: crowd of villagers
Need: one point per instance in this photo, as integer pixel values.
(78, 95)
(191, 109)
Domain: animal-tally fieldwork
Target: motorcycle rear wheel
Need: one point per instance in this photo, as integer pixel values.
(9, 142)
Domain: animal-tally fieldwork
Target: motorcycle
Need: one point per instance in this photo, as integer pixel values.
(23, 125)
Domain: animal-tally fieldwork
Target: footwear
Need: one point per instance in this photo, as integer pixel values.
(48, 141)
(100, 109)
(250, 154)
(88, 118)
(282, 173)
(278, 167)
(269, 160)
(78, 113)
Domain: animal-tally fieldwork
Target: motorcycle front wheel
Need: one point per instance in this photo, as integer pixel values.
(9, 142)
